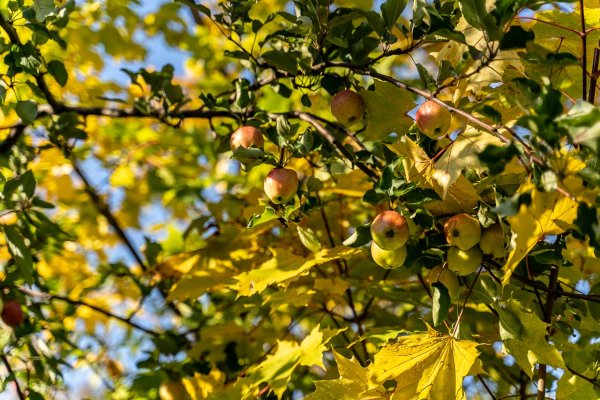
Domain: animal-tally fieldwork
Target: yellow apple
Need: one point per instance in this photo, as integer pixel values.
(446, 278)
(492, 241)
(462, 231)
(347, 107)
(464, 262)
(388, 258)
(389, 230)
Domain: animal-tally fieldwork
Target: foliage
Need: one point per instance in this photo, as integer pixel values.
(144, 251)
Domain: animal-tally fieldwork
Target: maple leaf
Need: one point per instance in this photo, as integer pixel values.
(285, 267)
(550, 213)
(386, 108)
(427, 365)
(530, 346)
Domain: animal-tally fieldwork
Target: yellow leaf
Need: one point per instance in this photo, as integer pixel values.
(550, 213)
(285, 267)
(427, 365)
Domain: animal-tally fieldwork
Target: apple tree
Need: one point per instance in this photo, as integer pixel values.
(309, 199)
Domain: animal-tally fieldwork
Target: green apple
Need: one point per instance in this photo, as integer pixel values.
(462, 231)
(492, 241)
(388, 258)
(433, 119)
(347, 107)
(446, 278)
(281, 185)
(464, 262)
(389, 230)
(246, 136)
(173, 390)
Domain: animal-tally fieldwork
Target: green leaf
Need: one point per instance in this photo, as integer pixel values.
(309, 239)
(58, 71)
(43, 8)
(441, 303)
(360, 237)
(478, 17)
(516, 38)
(496, 157)
(285, 61)
(19, 252)
(27, 110)
(267, 215)
(386, 108)
(391, 11)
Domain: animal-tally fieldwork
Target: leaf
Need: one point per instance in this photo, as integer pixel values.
(532, 347)
(309, 239)
(267, 215)
(27, 111)
(43, 8)
(19, 252)
(549, 213)
(427, 365)
(391, 11)
(281, 60)
(58, 71)
(477, 16)
(583, 124)
(286, 267)
(571, 386)
(386, 108)
(360, 237)
(353, 381)
(278, 367)
(441, 303)
(463, 153)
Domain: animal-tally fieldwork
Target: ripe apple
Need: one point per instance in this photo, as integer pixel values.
(12, 314)
(388, 258)
(246, 136)
(446, 278)
(173, 390)
(464, 262)
(462, 231)
(389, 230)
(492, 241)
(281, 185)
(433, 120)
(347, 107)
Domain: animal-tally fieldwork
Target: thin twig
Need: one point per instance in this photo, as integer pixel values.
(11, 372)
(541, 384)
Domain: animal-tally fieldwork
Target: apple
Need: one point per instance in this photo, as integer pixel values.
(246, 136)
(389, 230)
(492, 241)
(12, 314)
(347, 107)
(173, 390)
(462, 231)
(388, 258)
(446, 278)
(433, 120)
(281, 185)
(464, 262)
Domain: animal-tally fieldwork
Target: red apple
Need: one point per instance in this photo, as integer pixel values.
(462, 231)
(12, 314)
(389, 230)
(433, 120)
(347, 107)
(281, 185)
(246, 136)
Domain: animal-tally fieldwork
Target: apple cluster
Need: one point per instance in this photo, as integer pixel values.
(389, 232)
(281, 184)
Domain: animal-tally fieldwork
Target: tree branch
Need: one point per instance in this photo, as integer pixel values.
(541, 384)
(50, 296)
(11, 372)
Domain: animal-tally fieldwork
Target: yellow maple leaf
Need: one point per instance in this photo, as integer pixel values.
(428, 365)
(550, 213)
